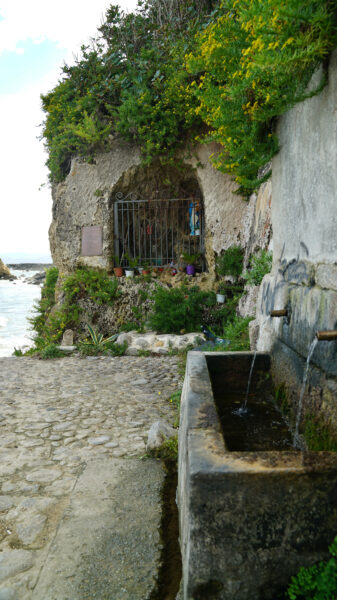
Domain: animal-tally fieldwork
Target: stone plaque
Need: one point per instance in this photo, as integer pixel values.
(92, 241)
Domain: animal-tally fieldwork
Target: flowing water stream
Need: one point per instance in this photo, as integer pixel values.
(243, 408)
(297, 439)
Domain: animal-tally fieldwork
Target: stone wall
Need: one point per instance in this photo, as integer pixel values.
(86, 198)
(304, 274)
(83, 200)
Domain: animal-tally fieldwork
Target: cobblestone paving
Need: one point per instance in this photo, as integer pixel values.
(54, 417)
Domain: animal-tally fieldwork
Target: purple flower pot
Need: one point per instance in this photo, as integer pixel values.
(190, 269)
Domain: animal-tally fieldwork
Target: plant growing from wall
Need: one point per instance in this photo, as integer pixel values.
(318, 582)
(83, 284)
(230, 262)
(237, 332)
(131, 82)
(170, 70)
(254, 62)
(260, 265)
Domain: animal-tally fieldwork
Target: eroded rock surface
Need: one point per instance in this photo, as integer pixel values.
(5, 272)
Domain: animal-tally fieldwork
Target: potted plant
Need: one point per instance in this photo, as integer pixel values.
(144, 269)
(190, 260)
(118, 269)
(132, 264)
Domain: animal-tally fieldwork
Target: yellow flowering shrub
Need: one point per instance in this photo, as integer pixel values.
(255, 61)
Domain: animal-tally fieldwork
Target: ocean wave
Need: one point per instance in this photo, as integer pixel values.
(3, 321)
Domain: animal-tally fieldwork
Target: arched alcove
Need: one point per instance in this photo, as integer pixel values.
(156, 215)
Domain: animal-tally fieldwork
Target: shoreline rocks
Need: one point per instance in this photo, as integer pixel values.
(5, 272)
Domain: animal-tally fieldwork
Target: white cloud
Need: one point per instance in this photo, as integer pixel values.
(69, 23)
(25, 212)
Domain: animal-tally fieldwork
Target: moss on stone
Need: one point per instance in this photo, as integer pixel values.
(318, 435)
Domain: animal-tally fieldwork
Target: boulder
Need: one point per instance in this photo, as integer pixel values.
(159, 432)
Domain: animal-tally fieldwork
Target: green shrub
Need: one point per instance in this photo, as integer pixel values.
(167, 451)
(179, 309)
(261, 264)
(230, 262)
(83, 283)
(238, 333)
(18, 352)
(43, 309)
(90, 283)
(254, 61)
(169, 70)
(318, 582)
(51, 351)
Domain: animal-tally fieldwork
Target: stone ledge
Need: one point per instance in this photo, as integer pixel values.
(157, 343)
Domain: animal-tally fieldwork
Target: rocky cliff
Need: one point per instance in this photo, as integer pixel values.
(5, 272)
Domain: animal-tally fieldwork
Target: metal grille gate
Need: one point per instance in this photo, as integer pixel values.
(157, 231)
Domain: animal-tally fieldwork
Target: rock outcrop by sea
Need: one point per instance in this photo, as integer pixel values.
(5, 272)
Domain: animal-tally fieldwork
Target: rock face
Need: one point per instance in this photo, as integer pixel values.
(86, 199)
(304, 274)
(83, 200)
(5, 272)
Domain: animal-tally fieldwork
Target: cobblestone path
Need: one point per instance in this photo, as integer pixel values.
(56, 417)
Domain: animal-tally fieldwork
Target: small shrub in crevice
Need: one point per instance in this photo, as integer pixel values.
(237, 332)
(318, 582)
(230, 263)
(51, 351)
(260, 265)
(167, 451)
(175, 400)
(84, 283)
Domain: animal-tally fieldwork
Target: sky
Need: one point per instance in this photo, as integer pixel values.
(36, 38)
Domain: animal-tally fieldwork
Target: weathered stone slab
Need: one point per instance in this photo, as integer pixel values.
(92, 243)
(108, 544)
(29, 529)
(326, 276)
(13, 562)
(43, 475)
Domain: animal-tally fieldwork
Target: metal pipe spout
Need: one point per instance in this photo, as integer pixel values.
(327, 335)
(279, 313)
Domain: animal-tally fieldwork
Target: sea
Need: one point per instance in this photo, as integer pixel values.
(17, 300)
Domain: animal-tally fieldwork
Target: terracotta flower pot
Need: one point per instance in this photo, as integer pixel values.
(118, 271)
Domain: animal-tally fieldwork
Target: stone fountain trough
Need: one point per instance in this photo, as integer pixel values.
(249, 516)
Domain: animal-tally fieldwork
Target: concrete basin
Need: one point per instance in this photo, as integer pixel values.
(248, 518)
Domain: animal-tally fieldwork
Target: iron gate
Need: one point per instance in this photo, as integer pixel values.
(157, 231)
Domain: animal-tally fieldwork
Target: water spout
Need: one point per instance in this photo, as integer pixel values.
(326, 335)
(279, 313)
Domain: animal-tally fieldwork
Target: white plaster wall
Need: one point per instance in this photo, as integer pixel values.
(304, 209)
(225, 211)
(304, 222)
